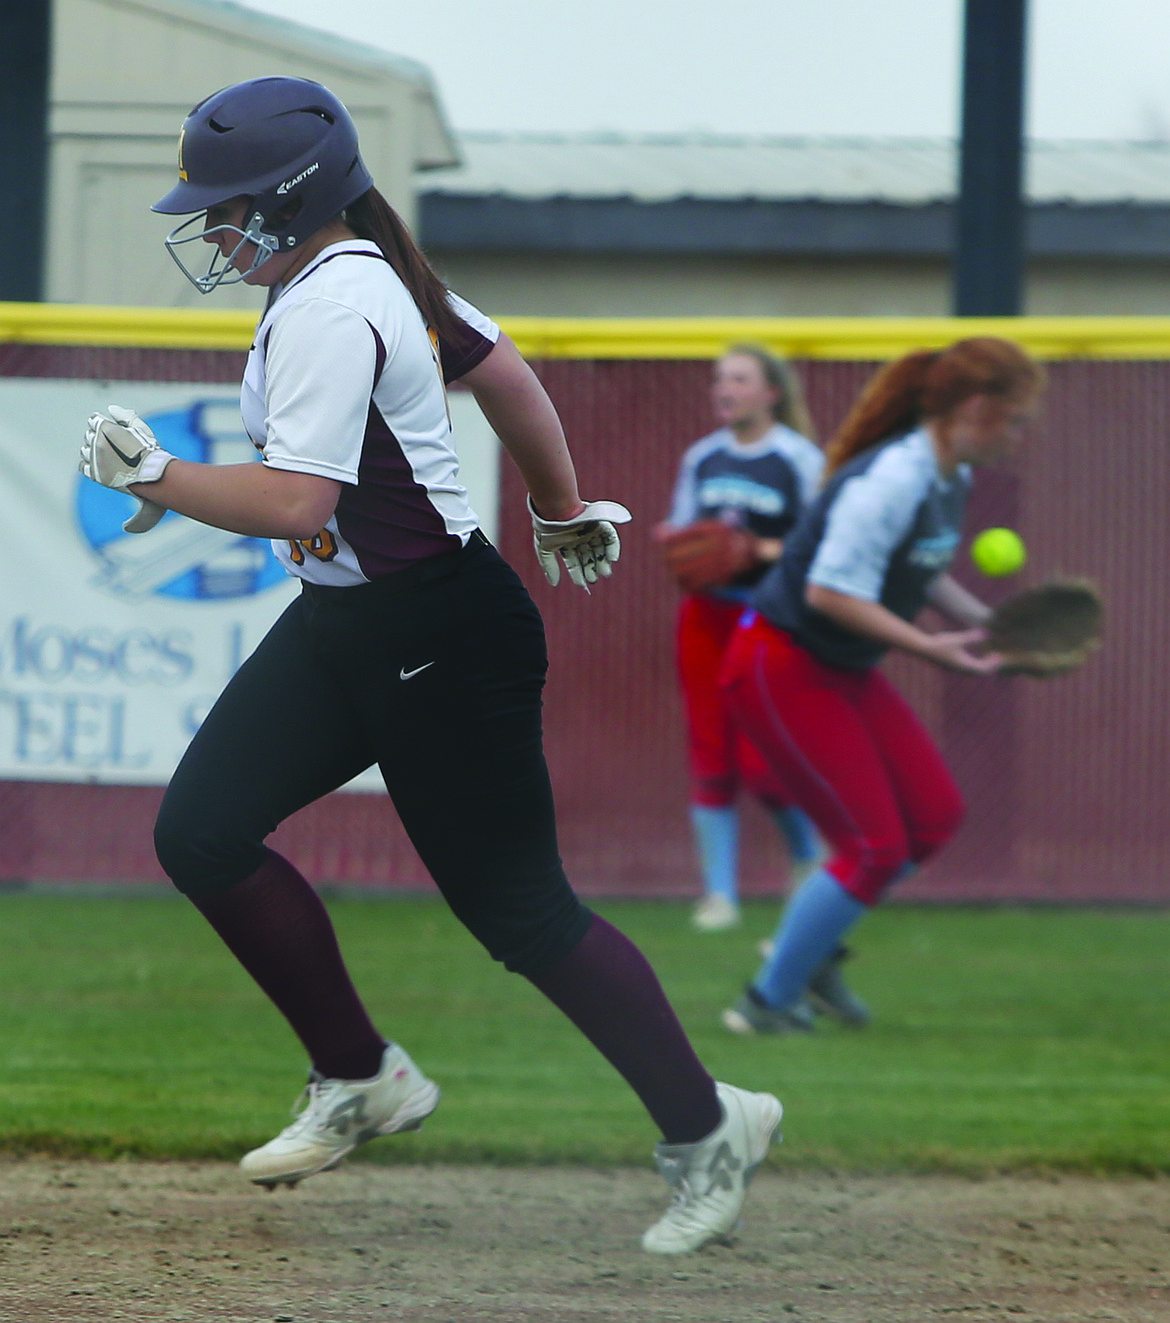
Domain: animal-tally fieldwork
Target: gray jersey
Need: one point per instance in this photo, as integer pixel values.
(885, 526)
(762, 487)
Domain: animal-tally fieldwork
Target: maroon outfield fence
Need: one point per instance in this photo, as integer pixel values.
(1065, 780)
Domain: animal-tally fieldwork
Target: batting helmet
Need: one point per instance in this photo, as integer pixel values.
(277, 141)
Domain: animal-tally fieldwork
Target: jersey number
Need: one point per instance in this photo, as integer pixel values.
(322, 546)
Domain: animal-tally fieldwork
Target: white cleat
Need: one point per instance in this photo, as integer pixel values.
(710, 1178)
(341, 1114)
(715, 914)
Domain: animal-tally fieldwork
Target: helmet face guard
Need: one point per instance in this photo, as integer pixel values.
(286, 144)
(225, 273)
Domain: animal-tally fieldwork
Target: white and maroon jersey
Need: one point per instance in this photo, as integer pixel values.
(344, 382)
(762, 487)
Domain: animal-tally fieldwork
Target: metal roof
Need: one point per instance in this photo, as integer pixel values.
(900, 171)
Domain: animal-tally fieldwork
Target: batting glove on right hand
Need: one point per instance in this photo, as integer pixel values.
(587, 544)
(120, 449)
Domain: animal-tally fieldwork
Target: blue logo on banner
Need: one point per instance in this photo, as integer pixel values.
(180, 557)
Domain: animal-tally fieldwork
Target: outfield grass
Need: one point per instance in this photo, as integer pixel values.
(1004, 1039)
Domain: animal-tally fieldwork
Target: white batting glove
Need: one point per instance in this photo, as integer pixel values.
(587, 544)
(120, 449)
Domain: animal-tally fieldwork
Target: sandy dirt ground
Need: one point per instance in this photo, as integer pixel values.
(191, 1241)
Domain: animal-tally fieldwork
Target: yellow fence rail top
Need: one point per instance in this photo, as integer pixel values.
(846, 338)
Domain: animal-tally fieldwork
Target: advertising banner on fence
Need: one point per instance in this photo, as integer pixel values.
(113, 646)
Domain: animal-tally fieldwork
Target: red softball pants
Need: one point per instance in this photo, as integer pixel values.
(850, 751)
(720, 758)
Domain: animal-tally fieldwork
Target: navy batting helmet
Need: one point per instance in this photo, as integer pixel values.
(287, 144)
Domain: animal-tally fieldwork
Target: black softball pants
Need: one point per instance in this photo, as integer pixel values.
(435, 674)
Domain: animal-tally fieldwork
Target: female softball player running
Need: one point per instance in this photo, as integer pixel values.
(412, 645)
(801, 678)
(753, 475)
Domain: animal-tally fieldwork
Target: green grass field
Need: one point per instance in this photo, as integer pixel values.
(1005, 1039)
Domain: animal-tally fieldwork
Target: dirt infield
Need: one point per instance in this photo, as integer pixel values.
(150, 1242)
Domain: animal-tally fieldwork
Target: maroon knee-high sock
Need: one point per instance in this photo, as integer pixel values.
(275, 925)
(606, 987)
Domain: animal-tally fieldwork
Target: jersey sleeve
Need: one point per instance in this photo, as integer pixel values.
(320, 363)
(808, 463)
(869, 517)
(684, 501)
(475, 340)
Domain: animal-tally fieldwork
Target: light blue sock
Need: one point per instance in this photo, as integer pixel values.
(804, 845)
(717, 840)
(818, 914)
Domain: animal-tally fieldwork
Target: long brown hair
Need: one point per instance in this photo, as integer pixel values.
(372, 217)
(790, 409)
(929, 383)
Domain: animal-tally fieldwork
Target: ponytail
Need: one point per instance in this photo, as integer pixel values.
(927, 384)
(372, 217)
(890, 403)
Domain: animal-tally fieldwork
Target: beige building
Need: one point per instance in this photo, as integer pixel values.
(124, 74)
(659, 225)
(602, 225)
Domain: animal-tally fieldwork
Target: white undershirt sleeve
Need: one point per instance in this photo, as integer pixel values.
(809, 463)
(869, 518)
(684, 506)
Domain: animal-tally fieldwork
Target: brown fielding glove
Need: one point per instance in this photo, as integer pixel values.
(707, 554)
(1047, 630)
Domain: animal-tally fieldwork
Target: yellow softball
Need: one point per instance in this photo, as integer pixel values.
(998, 551)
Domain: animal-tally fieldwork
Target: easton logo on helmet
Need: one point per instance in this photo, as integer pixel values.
(296, 179)
(276, 141)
